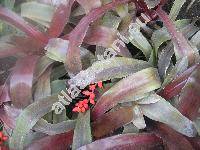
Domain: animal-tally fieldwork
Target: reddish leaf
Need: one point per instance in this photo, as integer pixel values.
(111, 121)
(21, 81)
(4, 95)
(89, 4)
(189, 101)
(182, 47)
(55, 142)
(27, 45)
(175, 87)
(73, 60)
(101, 36)
(172, 139)
(138, 83)
(126, 141)
(195, 142)
(60, 18)
(8, 115)
(12, 18)
(11, 51)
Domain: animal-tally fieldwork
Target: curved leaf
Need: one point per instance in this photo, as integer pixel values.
(111, 121)
(14, 19)
(89, 4)
(175, 87)
(43, 14)
(82, 131)
(8, 115)
(117, 67)
(182, 47)
(164, 112)
(28, 118)
(55, 142)
(176, 9)
(152, 3)
(60, 18)
(139, 40)
(100, 36)
(189, 100)
(53, 129)
(4, 95)
(138, 83)
(73, 61)
(126, 141)
(170, 138)
(21, 81)
(57, 49)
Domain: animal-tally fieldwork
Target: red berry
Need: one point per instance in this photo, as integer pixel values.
(87, 93)
(85, 106)
(5, 138)
(100, 84)
(92, 87)
(75, 109)
(85, 101)
(92, 96)
(79, 109)
(83, 109)
(92, 101)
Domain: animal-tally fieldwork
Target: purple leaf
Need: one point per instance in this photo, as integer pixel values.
(73, 60)
(111, 121)
(182, 47)
(175, 87)
(12, 18)
(101, 36)
(55, 142)
(126, 141)
(138, 83)
(21, 81)
(89, 4)
(4, 95)
(189, 100)
(60, 18)
(171, 138)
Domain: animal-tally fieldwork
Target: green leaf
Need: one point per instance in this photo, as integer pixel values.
(180, 67)
(9, 3)
(53, 129)
(43, 88)
(28, 118)
(160, 36)
(82, 131)
(164, 112)
(176, 9)
(152, 3)
(151, 99)
(127, 89)
(57, 49)
(42, 64)
(138, 40)
(38, 12)
(110, 20)
(57, 86)
(117, 67)
(196, 40)
(138, 119)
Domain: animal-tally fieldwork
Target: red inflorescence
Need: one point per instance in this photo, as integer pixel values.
(83, 105)
(3, 138)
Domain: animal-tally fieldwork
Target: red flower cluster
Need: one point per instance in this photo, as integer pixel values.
(82, 106)
(3, 138)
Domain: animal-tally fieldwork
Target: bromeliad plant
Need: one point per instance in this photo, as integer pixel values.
(150, 98)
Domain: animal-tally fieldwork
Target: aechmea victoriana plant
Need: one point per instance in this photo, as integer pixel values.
(103, 74)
